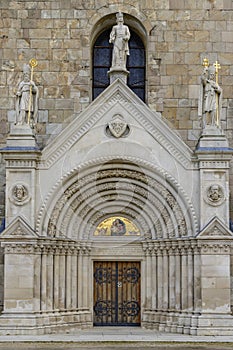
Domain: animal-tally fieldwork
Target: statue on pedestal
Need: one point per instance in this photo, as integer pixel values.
(210, 99)
(120, 36)
(26, 100)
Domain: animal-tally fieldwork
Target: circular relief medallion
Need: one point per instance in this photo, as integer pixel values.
(19, 194)
(215, 195)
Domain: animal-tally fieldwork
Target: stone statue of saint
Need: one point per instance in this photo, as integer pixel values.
(26, 99)
(119, 36)
(210, 99)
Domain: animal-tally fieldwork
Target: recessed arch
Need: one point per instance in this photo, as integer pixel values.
(148, 197)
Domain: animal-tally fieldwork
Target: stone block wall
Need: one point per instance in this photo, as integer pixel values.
(180, 33)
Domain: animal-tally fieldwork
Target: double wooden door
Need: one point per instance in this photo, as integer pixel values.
(117, 293)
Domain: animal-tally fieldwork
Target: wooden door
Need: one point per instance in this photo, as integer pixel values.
(116, 293)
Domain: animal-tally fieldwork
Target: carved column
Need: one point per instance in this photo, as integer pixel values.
(165, 278)
(80, 279)
(154, 279)
(177, 279)
(50, 278)
(68, 279)
(160, 278)
(37, 274)
(62, 276)
(172, 278)
(184, 278)
(74, 280)
(56, 269)
(148, 278)
(43, 278)
(85, 276)
(197, 278)
(190, 279)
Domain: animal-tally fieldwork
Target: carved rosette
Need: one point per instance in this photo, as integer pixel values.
(214, 195)
(19, 194)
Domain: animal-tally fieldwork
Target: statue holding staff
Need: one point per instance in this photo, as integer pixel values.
(210, 99)
(119, 36)
(27, 98)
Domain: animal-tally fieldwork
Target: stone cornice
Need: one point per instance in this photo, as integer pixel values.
(45, 246)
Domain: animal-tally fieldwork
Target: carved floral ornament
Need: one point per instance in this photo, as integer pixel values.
(19, 194)
(118, 126)
(215, 195)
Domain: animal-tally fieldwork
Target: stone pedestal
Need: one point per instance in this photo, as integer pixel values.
(118, 73)
(212, 137)
(21, 136)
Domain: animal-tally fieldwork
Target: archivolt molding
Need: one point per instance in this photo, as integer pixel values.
(81, 200)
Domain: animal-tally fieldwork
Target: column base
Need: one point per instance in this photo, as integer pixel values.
(214, 325)
(44, 323)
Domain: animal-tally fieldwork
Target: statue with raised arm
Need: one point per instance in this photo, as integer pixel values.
(26, 100)
(210, 99)
(120, 36)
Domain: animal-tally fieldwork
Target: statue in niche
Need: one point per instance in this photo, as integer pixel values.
(26, 100)
(210, 99)
(120, 36)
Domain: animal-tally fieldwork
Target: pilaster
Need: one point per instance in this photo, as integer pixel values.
(21, 155)
(215, 243)
(214, 157)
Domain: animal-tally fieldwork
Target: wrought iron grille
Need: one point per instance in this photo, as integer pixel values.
(117, 293)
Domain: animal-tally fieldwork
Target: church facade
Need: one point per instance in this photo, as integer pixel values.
(118, 170)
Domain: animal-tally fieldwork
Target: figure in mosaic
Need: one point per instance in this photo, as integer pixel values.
(26, 100)
(118, 228)
(210, 100)
(120, 36)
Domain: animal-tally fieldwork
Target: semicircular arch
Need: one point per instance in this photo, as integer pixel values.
(137, 190)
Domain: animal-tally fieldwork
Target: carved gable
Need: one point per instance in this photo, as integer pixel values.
(117, 113)
(18, 229)
(215, 229)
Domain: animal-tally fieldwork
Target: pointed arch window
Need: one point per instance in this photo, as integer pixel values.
(102, 59)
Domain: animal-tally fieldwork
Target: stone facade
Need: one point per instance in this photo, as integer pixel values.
(73, 171)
